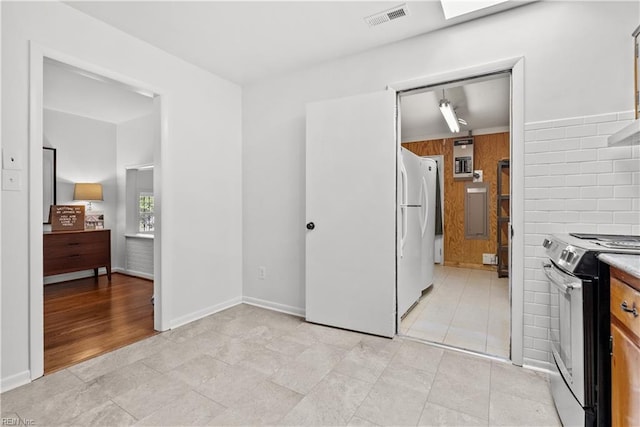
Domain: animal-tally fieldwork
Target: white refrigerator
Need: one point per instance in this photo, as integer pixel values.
(428, 171)
(416, 228)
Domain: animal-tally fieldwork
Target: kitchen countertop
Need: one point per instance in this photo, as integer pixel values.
(624, 262)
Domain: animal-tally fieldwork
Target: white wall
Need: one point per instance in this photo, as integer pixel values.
(202, 162)
(577, 63)
(574, 182)
(136, 142)
(86, 152)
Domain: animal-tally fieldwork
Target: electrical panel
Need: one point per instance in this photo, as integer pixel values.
(463, 158)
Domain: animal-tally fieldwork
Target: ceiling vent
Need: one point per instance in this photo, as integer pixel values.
(387, 15)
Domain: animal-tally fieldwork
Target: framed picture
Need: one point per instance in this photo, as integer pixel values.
(48, 182)
(94, 220)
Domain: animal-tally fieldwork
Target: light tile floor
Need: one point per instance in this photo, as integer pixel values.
(250, 366)
(464, 308)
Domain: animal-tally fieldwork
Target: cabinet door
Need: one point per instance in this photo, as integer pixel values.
(625, 379)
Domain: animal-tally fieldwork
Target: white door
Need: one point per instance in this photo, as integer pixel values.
(351, 213)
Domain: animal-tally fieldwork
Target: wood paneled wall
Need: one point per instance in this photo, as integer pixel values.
(488, 149)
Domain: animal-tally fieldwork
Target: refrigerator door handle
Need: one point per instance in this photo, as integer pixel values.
(425, 205)
(403, 203)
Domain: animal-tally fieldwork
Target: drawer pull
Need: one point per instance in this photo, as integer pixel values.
(625, 307)
(73, 243)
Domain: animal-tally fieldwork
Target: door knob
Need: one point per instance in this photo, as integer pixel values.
(310, 226)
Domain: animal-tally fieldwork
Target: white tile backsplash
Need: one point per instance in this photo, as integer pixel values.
(574, 182)
(614, 153)
(564, 144)
(593, 142)
(580, 131)
(582, 155)
(563, 168)
(602, 118)
(603, 166)
(626, 191)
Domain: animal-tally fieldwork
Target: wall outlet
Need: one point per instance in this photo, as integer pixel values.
(11, 180)
(489, 259)
(262, 272)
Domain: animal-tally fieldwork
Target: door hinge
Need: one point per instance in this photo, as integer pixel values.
(610, 345)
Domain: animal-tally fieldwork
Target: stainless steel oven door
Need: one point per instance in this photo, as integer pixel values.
(566, 327)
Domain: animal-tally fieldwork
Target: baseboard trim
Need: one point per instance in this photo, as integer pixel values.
(133, 273)
(183, 320)
(15, 381)
(537, 365)
(270, 305)
(65, 277)
(470, 265)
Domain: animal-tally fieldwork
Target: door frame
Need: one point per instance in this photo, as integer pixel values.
(37, 55)
(516, 260)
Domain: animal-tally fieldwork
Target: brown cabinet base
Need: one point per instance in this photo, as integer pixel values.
(69, 251)
(625, 349)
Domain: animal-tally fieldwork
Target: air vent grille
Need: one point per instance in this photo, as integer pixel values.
(387, 15)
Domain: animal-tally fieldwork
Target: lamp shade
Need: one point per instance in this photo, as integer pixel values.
(87, 191)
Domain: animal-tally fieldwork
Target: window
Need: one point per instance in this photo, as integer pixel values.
(145, 212)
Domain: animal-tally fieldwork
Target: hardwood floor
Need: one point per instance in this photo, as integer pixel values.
(85, 318)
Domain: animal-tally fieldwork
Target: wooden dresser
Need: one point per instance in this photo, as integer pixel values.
(68, 251)
(625, 349)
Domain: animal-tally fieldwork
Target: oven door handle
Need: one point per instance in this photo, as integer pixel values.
(560, 280)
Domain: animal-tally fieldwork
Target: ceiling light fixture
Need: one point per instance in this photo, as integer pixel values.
(449, 114)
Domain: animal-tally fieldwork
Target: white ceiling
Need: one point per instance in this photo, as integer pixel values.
(484, 103)
(246, 41)
(75, 91)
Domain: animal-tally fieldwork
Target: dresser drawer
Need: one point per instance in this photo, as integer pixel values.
(54, 241)
(624, 299)
(73, 262)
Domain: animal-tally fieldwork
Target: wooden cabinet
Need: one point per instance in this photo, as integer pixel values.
(68, 251)
(625, 349)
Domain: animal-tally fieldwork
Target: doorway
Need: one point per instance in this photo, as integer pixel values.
(466, 303)
(39, 56)
(346, 205)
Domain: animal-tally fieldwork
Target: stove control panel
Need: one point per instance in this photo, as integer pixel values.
(568, 255)
(562, 253)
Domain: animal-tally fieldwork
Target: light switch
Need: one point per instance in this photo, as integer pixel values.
(11, 180)
(11, 160)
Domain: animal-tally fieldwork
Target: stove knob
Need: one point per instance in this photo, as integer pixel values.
(546, 243)
(571, 255)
